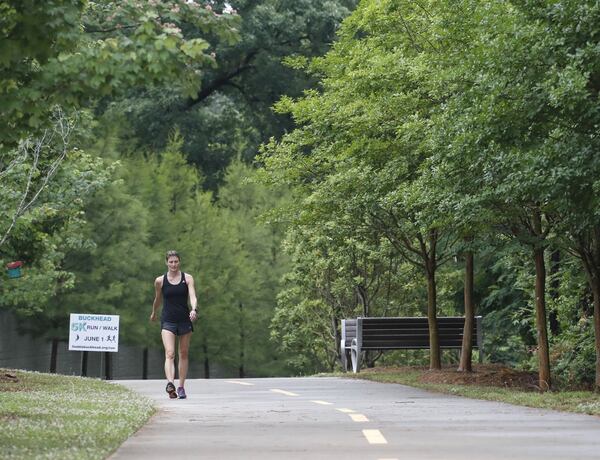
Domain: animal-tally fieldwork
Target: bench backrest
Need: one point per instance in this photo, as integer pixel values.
(348, 331)
(406, 332)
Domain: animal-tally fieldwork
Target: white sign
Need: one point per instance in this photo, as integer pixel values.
(88, 332)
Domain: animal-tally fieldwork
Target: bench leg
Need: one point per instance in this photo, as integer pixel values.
(344, 356)
(355, 353)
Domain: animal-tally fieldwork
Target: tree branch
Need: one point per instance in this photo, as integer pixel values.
(221, 81)
(62, 128)
(113, 29)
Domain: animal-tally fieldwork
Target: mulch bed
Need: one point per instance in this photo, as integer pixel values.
(485, 375)
(495, 375)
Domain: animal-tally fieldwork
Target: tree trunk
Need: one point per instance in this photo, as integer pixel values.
(434, 344)
(467, 341)
(554, 291)
(595, 282)
(587, 247)
(540, 316)
(338, 338)
(53, 355)
(363, 295)
(242, 342)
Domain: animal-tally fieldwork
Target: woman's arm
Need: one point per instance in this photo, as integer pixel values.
(192, 294)
(157, 297)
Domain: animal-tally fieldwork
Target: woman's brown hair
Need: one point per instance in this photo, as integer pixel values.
(172, 254)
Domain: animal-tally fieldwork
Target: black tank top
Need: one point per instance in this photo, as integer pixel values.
(175, 300)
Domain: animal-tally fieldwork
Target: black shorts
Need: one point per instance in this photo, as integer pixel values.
(180, 328)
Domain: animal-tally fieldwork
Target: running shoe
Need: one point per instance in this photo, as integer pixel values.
(171, 390)
(181, 393)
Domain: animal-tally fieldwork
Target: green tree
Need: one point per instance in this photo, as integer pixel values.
(245, 206)
(41, 236)
(567, 96)
(365, 135)
(232, 112)
(520, 123)
(66, 55)
(71, 52)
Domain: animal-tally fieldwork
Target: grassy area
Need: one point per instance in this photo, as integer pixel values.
(45, 416)
(583, 402)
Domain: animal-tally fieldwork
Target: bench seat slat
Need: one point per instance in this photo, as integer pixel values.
(412, 331)
(408, 344)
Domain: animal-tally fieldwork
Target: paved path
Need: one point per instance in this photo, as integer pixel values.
(326, 418)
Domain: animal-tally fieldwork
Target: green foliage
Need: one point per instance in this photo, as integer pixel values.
(434, 129)
(245, 205)
(155, 204)
(109, 274)
(441, 132)
(357, 160)
(574, 356)
(302, 331)
(69, 53)
(57, 57)
(43, 234)
(232, 112)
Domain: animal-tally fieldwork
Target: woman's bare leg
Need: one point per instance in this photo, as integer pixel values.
(184, 348)
(168, 339)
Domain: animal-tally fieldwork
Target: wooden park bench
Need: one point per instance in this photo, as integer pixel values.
(397, 333)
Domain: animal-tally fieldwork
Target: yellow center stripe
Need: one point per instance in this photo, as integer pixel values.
(346, 411)
(283, 392)
(358, 418)
(374, 437)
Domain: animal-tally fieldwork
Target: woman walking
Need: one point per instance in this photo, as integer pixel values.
(173, 289)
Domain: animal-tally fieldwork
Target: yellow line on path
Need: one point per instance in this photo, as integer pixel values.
(346, 411)
(323, 403)
(283, 392)
(239, 383)
(358, 418)
(374, 437)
